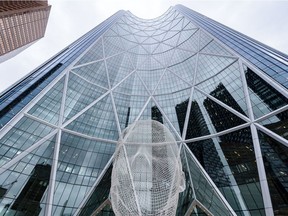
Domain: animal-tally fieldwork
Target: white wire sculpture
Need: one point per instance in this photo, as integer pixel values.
(147, 172)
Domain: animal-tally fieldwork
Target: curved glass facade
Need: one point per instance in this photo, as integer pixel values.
(61, 123)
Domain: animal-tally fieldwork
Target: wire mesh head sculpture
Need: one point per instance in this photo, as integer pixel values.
(147, 172)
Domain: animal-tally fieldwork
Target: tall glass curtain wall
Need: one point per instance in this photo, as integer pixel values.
(227, 111)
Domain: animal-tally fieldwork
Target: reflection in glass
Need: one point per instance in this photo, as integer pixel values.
(278, 124)
(203, 189)
(28, 201)
(187, 196)
(99, 195)
(196, 122)
(275, 157)
(230, 162)
(127, 69)
(264, 97)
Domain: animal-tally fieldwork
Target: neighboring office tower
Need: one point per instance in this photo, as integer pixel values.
(21, 24)
(222, 94)
(28, 201)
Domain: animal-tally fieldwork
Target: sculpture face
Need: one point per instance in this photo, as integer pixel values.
(147, 172)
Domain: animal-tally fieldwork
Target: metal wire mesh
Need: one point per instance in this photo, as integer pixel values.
(147, 172)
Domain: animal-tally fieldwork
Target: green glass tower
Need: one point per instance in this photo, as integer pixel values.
(221, 94)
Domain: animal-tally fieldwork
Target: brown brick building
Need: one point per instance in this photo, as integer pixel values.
(21, 24)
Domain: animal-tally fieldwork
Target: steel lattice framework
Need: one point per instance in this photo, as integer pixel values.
(222, 109)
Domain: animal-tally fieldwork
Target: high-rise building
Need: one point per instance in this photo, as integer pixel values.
(22, 23)
(222, 94)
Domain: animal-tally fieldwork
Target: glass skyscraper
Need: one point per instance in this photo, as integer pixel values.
(222, 95)
(22, 23)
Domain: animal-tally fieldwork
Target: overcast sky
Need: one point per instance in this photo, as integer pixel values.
(265, 21)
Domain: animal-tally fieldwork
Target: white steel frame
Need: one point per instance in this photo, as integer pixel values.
(60, 127)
